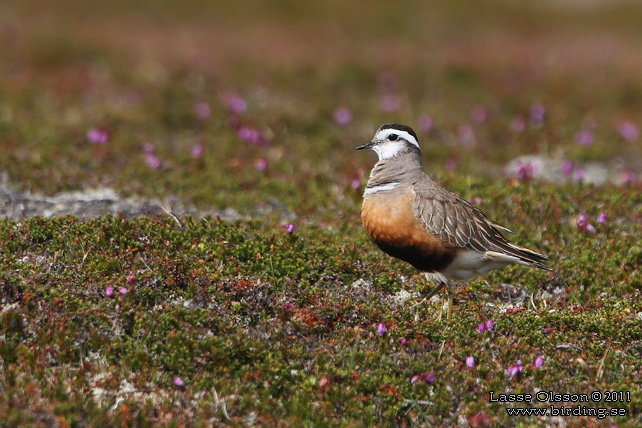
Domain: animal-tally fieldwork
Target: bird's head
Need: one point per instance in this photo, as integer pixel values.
(392, 140)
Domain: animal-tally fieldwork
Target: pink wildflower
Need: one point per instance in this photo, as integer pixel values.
(628, 130)
(261, 164)
(289, 228)
(203, 110)
(97, 136)
(584, 138)
(525, 171)
(251, 135)
(236, 104)
(538, 113)
(342, 116)
(197, 150)
(470, 361)
(490, 324)
(476, 200)
(425, 124)
(539, 361)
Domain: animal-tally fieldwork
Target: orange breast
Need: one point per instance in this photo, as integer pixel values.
(394, 228)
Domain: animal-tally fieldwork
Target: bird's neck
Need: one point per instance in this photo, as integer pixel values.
(390, 173)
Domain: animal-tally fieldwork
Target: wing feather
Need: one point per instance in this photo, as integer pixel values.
(456, 221)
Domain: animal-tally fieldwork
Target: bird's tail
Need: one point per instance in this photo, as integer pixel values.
(527, 257)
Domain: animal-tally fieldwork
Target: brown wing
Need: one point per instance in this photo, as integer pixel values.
(453, 219)
(456, 221)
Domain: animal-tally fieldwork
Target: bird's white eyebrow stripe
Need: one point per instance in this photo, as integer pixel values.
(402, 134)
(382, 188)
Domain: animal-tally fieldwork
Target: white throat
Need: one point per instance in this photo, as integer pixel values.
(389, 149)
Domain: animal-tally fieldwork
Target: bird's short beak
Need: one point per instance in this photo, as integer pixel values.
(366, 146)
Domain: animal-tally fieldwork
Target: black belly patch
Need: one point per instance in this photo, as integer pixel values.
(424, 261)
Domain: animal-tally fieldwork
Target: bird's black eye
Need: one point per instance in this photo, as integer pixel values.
(393, 137)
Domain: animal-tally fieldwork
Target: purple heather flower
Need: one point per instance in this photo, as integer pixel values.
(518, 124)
(548, 330)
(203, 110)
(390, 103)
(601, 218)
(178, 381)
(567, 168)
(403, 340)
(289, 228)
(489, 325)
(152, 160)
(109, 291)
(470, 361)
(260, 164)
(479, 114)
(583, 224)
(414, 379)
(481, 327)
(539, 361)
(476, 200)
(627, 176)
(236, 104)
(150, 156)
(466, 133)
(515, 369)
(538, 113)
(525, 171)
(628, 130)
(427, 377)
(197, 150)
(381, 329)
(425, 123)
(342, 116)
(584, 137)
(97, 136)
(251, 135)
(122, 290)
(451, 164)
(579, 174)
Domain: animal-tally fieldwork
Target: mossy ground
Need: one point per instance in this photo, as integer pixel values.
(265, 327)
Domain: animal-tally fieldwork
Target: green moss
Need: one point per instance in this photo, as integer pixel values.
(270, 328)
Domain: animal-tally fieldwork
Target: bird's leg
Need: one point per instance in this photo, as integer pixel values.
(446, 283)
(449, 291)
(435, 290)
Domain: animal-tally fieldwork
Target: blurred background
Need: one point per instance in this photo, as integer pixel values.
(257, 106)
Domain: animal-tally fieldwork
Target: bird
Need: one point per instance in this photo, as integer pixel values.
(411, 217)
